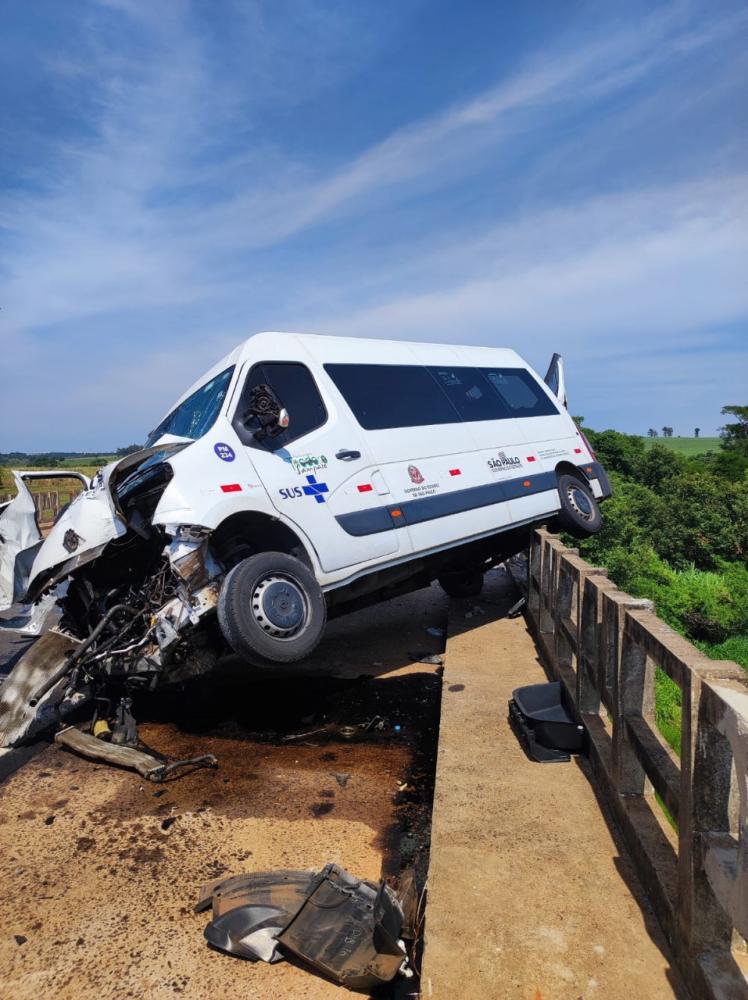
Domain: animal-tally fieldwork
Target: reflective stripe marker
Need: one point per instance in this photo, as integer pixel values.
(527, 483)
(531, 458)
(365, 488)
(231, 488)
(455, 472)
(577, 451)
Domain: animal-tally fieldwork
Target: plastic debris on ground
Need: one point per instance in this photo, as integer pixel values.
(516, 609)
(433, 659)
(348, 929)
(545, 724)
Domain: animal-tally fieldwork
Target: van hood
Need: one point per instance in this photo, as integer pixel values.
(82, 531)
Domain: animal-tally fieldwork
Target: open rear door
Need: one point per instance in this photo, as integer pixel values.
(554, 378)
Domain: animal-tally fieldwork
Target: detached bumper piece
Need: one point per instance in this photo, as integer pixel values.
(544, 724)
(347, 929)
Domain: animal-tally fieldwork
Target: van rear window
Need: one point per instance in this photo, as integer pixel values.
(520, 392)
(388, 396)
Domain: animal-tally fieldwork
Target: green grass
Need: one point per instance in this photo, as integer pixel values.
(668, 709)
(689, 447)
(7, 484)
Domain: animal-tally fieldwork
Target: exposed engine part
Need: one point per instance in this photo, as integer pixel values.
(129, 620)
(125, 729)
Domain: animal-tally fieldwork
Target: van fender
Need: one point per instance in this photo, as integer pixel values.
(262, 532)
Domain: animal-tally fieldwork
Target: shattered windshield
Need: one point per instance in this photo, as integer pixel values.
(197, 413)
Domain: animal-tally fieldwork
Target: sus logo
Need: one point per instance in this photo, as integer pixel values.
(415, 475)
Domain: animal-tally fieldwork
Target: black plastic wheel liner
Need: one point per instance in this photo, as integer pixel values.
(349, 930)
(346, 928)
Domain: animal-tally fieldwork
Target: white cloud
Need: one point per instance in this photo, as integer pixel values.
(150, 229)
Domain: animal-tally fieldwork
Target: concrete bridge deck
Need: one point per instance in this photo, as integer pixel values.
(530, 892)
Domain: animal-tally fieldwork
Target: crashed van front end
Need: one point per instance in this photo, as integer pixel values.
(131, 593)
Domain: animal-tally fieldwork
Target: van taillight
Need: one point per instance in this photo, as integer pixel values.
(589, 446)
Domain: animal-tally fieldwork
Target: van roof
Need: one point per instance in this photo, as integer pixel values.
(277, 345)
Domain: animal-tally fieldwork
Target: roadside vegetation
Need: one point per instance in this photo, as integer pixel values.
(676, 531)
(86, 462)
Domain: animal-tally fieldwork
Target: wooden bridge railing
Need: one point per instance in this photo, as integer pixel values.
(606, 647)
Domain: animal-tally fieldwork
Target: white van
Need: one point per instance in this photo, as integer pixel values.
(305, 475)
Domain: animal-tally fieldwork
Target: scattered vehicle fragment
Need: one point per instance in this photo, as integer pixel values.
(545, 724)
(299, 477)
(147, 764)
(348, 929)
(421, 656)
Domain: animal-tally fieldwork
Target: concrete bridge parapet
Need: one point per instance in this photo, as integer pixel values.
(607, 648)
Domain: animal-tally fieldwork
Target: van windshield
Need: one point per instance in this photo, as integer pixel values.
(196, 414)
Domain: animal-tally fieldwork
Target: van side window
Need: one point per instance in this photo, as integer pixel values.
(468, 392)
(520, 392)
(385, 396)
(297, 391)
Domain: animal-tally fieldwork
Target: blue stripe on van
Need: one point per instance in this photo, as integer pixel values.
(370, 522)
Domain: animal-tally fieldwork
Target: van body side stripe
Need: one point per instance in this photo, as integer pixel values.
(369, 522)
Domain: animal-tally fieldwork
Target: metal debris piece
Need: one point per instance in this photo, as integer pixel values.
(431, 658)
(346, 928)
(147, 765)
(516, 609)
(342, 777)
(31, 695)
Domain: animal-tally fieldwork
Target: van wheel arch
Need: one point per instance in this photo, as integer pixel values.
(567, 469)
(248, 532)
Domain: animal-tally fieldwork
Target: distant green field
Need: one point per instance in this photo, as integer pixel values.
(7, 486)
(686, 446)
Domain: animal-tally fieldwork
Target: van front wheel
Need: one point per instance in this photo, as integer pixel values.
(271, 609)
(579, 514)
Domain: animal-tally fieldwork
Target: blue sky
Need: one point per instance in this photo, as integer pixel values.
(547, 176)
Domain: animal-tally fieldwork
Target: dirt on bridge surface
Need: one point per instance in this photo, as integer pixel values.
(100, 869)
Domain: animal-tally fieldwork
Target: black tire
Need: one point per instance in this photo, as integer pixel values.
(579, 515)
(271, 609)
(465, 583)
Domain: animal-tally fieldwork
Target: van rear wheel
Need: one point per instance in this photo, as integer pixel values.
(271, 609)
(579, 515)
(465, 583)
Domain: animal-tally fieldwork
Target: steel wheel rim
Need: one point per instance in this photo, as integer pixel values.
(280, 606)
(580, 503)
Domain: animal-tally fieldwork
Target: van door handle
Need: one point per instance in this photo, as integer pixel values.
(348, 456)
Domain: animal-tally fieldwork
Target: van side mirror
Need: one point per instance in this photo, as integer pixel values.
(265, 416)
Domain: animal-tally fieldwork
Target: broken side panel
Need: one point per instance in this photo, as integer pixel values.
(31, 695)
(20, 539)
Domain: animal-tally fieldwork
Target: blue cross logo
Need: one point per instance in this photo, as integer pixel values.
(315, 489)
